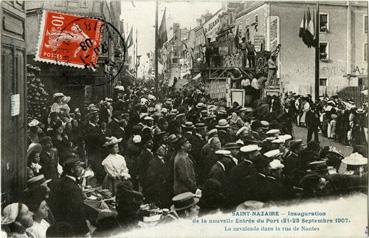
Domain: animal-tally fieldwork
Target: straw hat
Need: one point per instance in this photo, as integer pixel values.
(183, 201)
(112, 141)
(355, 159)
(33, 123)
(56, 95)
(222, 123)
(249, 148)
(276, 164)
(250, 205)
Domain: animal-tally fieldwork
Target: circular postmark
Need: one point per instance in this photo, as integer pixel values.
(84, 40)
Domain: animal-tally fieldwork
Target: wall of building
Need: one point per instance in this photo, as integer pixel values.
(360, 38)
(247, 21)
(300, 77)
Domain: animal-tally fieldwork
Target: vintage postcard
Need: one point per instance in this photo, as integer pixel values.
(184, 118)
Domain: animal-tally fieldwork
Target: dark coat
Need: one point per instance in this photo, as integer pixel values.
(156, 181)
(218, 172)
(224, 137)
(49, 163)
(312, 120)
(292, 168)
(67, 205)
(184, 175)
(238, 187)
(63, 146)
(93, 141)
(197, 143)
(131, 155)
(144, 160)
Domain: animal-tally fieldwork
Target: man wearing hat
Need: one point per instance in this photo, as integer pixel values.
(185, 205)
(223, 131)
(292, 162)
(157, 175)
(184, 170)
(196, 143)
(234, 147)
(222, 168)
(312, 124)
(278, 190)
(119, 103)
(106, 110)
(48, 159)
(239, 174)
(66, 199)
(144, 159)
(256, 132)
(93, 144)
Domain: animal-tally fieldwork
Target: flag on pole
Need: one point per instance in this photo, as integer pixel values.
(236, 38)
(162, 31)
(307, 29)
(129, 41)
(302, 27)
(310, 33)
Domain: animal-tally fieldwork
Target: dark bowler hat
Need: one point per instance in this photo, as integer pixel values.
(36, 181)
(183, 201)
(295, 143)
(73, 160)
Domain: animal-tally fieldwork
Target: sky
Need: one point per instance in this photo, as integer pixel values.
(141, 15)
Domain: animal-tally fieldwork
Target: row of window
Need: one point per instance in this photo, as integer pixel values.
(324, 23)
(324, 51)
(324, 82)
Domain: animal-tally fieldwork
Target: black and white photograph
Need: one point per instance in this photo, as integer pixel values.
(184, 118)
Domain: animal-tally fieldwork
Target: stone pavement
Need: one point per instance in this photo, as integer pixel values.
(301, 133)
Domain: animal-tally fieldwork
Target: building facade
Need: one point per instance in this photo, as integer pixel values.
(343, 42)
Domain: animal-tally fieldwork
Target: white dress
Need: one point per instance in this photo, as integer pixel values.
(38, 230)
(116, 168)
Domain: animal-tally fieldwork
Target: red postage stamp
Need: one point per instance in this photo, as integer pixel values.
(69, 40)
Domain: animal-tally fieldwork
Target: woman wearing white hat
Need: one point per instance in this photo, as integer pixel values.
(57, 102)
(115, 165)
(17, 218)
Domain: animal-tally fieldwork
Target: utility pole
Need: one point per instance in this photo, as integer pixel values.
(156, 49)
(136, 63)
(317, 53)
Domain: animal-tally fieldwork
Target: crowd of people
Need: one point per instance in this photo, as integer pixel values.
(184, 153)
